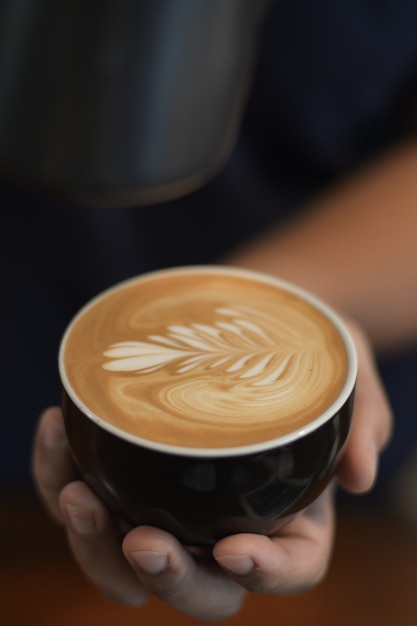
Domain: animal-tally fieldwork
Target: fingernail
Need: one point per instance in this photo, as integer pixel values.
(82, 521)
(238, 565)
(150, 562)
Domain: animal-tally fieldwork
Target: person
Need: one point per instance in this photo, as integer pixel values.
(321, 191)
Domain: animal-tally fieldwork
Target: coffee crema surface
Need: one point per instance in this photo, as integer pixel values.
(204, 359)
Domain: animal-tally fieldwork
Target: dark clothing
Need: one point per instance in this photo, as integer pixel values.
(334, 86)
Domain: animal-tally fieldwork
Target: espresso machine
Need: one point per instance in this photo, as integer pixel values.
(122, 102)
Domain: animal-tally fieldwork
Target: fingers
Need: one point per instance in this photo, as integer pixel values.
(52, 465)
(151, 561)
(199, 589)
(195, 586)
(95, 540)
(371, 425)
(291, 562)
(93, 535)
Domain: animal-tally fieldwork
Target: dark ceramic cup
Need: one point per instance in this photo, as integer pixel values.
(201, 495)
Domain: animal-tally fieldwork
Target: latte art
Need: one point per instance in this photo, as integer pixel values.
(205, 359)
(241, 346)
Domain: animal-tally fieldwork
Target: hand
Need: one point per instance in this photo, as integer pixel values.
(129, 567)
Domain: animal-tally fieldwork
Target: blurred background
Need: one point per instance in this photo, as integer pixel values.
(334, 85)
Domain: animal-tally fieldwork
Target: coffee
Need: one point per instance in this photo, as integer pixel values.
(204, 358)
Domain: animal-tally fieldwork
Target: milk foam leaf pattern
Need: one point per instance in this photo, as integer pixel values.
(238, 345)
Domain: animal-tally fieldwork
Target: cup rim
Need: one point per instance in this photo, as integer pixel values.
(231, 451)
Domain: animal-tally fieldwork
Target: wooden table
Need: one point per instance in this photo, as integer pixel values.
(372, 580)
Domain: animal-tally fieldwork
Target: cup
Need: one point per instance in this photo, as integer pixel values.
(207, 400)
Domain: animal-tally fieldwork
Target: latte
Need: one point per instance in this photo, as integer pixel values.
(204, 358)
